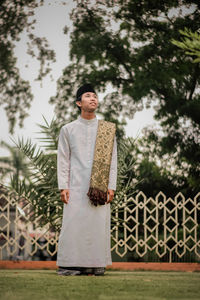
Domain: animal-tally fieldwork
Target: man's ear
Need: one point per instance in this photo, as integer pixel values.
(78, 103)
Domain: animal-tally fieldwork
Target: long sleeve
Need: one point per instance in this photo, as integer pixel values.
(113, 168)
(63, 160)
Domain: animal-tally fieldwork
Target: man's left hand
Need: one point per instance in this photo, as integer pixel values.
(110, 196)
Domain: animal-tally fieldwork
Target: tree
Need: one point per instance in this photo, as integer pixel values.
(127, 44)
(190, 43)
(157, 170)
(15, 92)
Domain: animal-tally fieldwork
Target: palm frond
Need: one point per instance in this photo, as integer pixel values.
(42, 191)
(125, 186)
(50, 132)
(42, 165)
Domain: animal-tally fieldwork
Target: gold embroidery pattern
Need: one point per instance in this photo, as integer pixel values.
(102, 155)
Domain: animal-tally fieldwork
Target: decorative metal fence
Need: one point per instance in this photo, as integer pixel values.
(143, 228)
(158, 229)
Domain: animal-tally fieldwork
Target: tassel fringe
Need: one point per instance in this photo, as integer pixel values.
(97, 197)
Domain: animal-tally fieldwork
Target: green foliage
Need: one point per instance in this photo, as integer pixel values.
(15, 93)
(178, 152)
(126, 45)
(190, 43)
(126, 181)
(50, 133)
(42, 192)
(150, 170)
(15, 164)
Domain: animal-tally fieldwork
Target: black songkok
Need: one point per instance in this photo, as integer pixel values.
(84, 89)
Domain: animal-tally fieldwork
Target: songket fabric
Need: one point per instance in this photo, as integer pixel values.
(84, 239)
(101, 163)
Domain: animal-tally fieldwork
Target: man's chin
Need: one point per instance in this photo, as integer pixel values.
(91, 110)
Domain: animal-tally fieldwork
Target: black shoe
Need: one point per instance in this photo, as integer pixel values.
(86, 271)
(66, 272)
(98, 271)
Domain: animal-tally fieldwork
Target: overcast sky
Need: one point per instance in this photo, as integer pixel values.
(51, 19)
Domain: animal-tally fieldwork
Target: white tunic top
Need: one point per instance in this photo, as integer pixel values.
(85, 234)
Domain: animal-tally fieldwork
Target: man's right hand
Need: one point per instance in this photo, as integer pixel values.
(64, 196)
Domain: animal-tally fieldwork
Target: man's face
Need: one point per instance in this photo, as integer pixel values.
(89, 102)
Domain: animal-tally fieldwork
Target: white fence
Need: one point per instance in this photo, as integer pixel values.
(168, 228)
(158, 229)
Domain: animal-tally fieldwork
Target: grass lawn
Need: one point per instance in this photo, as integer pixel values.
(117, 285)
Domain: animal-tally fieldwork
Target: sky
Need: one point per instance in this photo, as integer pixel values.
(51, 19)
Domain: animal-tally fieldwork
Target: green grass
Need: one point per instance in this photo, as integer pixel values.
(47, 285)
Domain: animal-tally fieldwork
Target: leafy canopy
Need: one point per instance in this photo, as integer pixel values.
(15, 92)
(127, 45)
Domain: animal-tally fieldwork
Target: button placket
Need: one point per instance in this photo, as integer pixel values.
(89, 143)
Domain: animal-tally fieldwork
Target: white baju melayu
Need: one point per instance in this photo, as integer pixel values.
(84, 240)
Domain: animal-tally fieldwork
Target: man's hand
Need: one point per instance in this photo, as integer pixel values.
(64, 195)
(110, 196)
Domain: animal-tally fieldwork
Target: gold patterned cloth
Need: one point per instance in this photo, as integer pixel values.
(101, 164)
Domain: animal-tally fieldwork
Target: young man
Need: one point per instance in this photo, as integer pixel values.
(86, 189)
